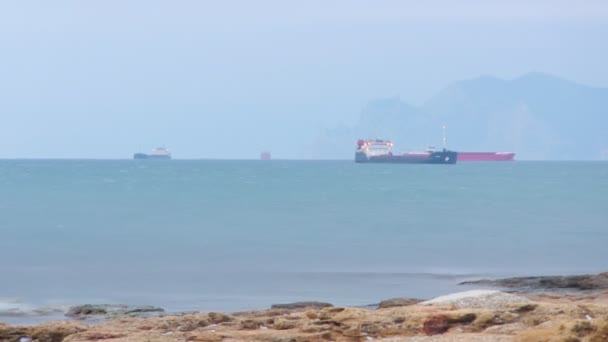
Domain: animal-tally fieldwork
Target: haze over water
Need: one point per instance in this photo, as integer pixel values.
(100, 80)
(229, 79)
(232, 235)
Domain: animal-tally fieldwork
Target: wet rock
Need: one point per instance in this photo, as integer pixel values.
(302, 305)
(393, 302)
(577, 282)
(108, 310)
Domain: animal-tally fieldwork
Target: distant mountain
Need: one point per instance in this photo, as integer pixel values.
(538, 116)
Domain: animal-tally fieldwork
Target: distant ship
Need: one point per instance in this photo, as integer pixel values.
(485, 156)
(265, 156)
(157, 153)
(381, 151)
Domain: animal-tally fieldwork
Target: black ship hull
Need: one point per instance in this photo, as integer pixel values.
(438, 157)
(150, 156)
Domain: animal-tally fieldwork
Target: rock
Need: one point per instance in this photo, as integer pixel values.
(464, 319)
(95, 335)
(601, 334)
(302, 305)
(108, 310)
(582, 328)
(315, 328)
(399, 319)
(48, 332)
(485, 299)
(191, 323)
(250, 324)
(525, 308)
(505, 329)
(217, 318)
(577, 282)
(11, 333)
(393, 302)
(439, 324)
(536, 320)
(205, 337)
(284, 324)
(492, 318)
(435, 325)
(87, 310)
(312, 314)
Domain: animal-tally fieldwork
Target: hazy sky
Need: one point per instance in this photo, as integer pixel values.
(104, 79)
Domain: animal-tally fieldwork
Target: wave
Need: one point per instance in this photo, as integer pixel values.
(13, 307)
(374, 274)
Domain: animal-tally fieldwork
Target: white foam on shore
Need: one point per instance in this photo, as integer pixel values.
(489, 299)
(12, 307)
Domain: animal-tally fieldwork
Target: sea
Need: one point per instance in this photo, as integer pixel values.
(220, 235)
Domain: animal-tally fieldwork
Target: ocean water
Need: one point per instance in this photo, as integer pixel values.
(237, 235)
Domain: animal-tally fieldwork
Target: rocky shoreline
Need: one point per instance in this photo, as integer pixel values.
(535, 312)
(575, 282)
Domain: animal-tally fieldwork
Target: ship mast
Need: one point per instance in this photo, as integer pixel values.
(443, 128)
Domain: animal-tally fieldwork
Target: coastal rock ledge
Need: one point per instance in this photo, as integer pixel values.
(302, 305)
(394, 302)
(575, 282)
(471, 316)
(112, 311)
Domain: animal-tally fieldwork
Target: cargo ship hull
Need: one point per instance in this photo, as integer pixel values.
(485, 156)
(150, 156)
(157, 153)
(439, 157)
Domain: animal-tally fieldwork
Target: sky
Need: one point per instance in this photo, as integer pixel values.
(228, 79)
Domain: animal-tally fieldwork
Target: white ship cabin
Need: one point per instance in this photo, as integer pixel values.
(375, 147)
(160, 151)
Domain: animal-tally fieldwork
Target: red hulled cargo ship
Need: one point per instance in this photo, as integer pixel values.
(485, 156)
